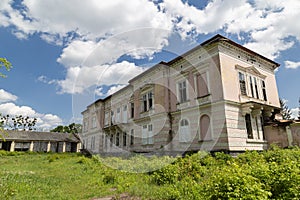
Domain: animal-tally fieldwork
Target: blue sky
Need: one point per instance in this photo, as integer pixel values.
(66, 55)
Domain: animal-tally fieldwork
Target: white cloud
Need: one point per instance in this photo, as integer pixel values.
(96, 34)
(114, 89)
(268, 24)
(89, 19)
(291, 64)
(80, 78)
(6, 96)
(44, 121)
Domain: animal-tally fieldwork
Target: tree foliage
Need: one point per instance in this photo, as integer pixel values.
(17, 122)
(285, 110)
(6, 64)
(71, 128)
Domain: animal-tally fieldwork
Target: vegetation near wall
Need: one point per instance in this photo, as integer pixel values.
(273, 174)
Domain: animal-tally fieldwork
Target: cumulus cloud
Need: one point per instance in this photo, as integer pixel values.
(291, 64)
(44, 121)
(266, 24)
(95, 35)
(80, 78)
(6, 96)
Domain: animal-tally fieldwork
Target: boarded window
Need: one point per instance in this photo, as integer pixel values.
(202, 87)
(205, 129)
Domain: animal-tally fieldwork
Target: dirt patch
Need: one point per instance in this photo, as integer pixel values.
(118, 197)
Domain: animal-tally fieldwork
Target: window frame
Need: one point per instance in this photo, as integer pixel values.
(182, 91)
(184, 131)
(249, 128)
(242, 83)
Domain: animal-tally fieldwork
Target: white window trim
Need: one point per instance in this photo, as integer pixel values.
(147, 134)
(185, 136)
(178, 92)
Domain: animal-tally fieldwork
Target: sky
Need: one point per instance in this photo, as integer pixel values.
(67, 54)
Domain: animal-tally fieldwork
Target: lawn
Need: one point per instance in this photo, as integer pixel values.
(273, 174)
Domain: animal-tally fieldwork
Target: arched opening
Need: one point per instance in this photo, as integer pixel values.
(205, 129)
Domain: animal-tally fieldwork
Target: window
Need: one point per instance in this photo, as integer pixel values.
(145, 107)
(182, 91)
(112, 117)
(118, 115)
(242, 83)
(147, 134)
(118, 139)
(256, 89)
(150, 99)
(93, 143)
(251, 86)
(150, 134)
(249, 126)
(111, 140)
(125, 114)
(124, 139)
(106, 117)
(85, 126)
(257, 128)
(147, 101)
(262, 127)
(205, 129)
(94, 124)
(263, 87)
(184, 131)
(132, 137)
(132, 110)
(202, 87)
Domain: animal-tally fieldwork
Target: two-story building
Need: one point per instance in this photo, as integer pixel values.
(214, 97)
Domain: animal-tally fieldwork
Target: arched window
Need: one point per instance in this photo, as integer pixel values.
(205, 129)
(184, 131)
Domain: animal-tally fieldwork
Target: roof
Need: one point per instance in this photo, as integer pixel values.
(215, 39)
(219, 38)
(38, 136)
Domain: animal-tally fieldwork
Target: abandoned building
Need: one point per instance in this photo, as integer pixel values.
(216, 97)
(39, 141)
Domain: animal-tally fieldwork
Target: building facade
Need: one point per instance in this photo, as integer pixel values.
(214, 97)
(14, 140)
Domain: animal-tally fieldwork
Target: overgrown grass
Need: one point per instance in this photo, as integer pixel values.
(273, 174)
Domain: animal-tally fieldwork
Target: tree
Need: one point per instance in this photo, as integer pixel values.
(4, 63)
(71, 128)
(18, 122)
(285, 111)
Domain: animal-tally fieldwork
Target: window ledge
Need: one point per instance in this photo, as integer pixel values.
(185, 142)
(208, 140)
(256, 141)
(245, 98)
(184, 102)
(203, 96)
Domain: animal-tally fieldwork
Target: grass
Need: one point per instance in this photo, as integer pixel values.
(67, 176)
(273, 174)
